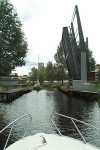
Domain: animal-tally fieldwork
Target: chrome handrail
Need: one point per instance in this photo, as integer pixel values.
(79, 132)
(77, 120)
(73, 121)
(8, 137)
(12, 125)
(56, 127)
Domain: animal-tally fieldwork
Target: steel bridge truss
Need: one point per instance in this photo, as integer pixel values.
(76, 51)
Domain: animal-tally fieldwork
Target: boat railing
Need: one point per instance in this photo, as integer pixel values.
(73, 120)
(11, 125)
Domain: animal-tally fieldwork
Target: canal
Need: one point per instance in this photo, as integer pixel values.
(41, 105)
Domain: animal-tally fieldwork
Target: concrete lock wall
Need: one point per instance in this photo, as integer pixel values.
(7, 81)
(82, 85)
(83, 66)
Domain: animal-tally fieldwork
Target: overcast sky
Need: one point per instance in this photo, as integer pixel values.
(43, 21)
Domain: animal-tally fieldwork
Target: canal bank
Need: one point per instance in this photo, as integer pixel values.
(69, 91)
(12, 94)
(86, 95)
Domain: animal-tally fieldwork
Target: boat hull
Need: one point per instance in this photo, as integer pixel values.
(43, 141)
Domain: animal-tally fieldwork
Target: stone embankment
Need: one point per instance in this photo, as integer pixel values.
(86, 95)
(10, 95)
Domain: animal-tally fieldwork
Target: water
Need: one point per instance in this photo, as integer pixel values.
(41, 105)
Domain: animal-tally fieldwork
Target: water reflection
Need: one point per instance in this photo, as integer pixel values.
(83, 110)
(41, 105)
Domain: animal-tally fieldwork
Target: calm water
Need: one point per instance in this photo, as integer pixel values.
(41, 105)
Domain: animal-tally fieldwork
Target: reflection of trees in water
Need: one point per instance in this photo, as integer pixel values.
(79, 109)
(92, 117)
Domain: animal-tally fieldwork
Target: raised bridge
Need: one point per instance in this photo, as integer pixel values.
(75, 48)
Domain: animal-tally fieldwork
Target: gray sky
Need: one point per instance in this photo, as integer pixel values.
(43, 21)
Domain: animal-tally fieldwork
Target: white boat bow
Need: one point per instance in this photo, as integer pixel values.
(51, 142)
(42, 141)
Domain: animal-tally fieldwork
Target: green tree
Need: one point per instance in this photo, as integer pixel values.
(50, 72)
(60, 74)
(98, 75)
(37, 74)
(41, 76)
(13, 46)
(61, 66)
(60, 57)
(92, 61)
(33, 74)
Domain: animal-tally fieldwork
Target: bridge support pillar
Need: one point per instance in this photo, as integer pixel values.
(83, 66)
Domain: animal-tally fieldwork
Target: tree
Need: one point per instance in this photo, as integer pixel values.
(33, 74)
(37, 74)
(91, 61)
(41, 75)
(13, 46)
(60, 57)
(50, 72)
(61, 66)
(60, 74)
(41, 72)
(98, 75)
